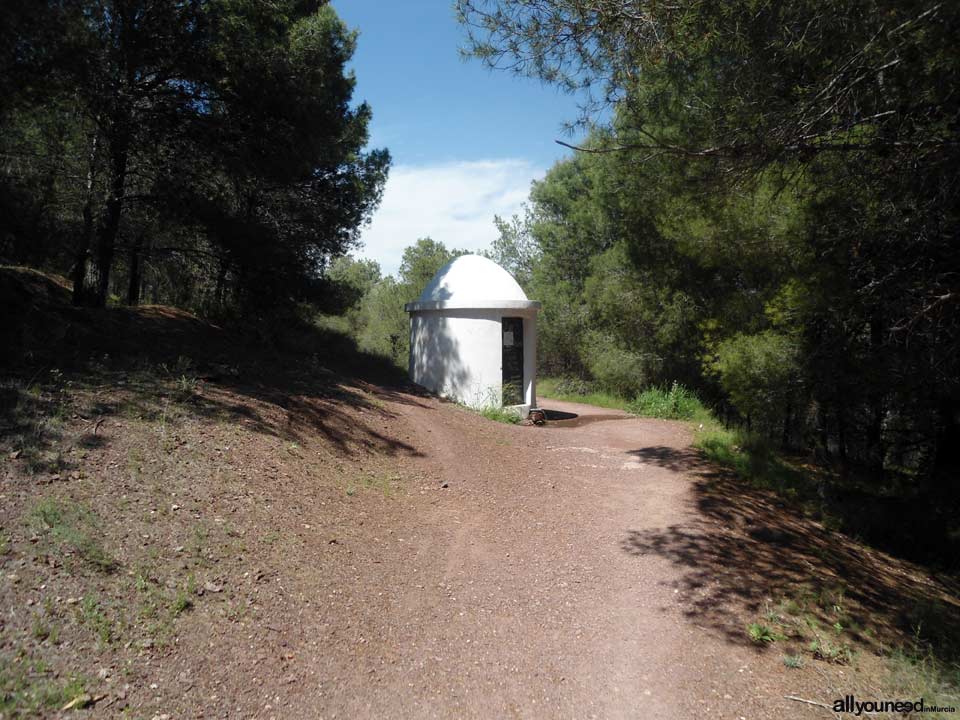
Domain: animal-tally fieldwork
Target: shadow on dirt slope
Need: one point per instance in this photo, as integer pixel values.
(138, 360)
(752, 553)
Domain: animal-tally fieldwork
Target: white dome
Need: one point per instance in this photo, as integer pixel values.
(472, 278)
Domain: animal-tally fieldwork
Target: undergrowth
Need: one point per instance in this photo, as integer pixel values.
(673, 403)
(753, 459)
(919, 673)
(488, 404)
(28, 688)
(499, 414)
(579, 391)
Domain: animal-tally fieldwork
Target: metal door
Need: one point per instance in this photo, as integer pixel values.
(512, 360)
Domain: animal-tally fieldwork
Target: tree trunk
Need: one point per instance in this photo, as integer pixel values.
(842, 442)
(107, 236)
(221, 281)
(787, 426)
(946, 461)
(824, 433)
(82, 256)
(136, 280)
(876, 450)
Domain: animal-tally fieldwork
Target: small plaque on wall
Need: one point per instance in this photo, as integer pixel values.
(508, 338)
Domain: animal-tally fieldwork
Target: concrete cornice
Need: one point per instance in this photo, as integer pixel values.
(422, 306)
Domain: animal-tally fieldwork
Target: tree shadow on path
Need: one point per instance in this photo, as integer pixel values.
(749, 553)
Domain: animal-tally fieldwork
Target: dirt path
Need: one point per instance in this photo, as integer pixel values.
(515, 592)
(376, 554)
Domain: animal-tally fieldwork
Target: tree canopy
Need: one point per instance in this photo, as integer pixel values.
(375, 314)
(768, 217)
(208, 153)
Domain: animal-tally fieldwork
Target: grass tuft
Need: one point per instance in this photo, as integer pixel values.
(833, 651)
(761, 634)
(793, 661)
(73, 528)
(28, 690)
(501, 415)
(93, 615)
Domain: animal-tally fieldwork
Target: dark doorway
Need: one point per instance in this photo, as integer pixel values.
(512, 360)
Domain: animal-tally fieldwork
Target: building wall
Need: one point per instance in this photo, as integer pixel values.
(458, 354)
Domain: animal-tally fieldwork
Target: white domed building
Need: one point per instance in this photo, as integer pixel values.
(473, 336)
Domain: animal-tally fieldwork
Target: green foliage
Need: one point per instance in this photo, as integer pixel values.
(386, 326)
(759, 373)
(614, 368)
(92, 614)
(185, 387)
(781, 243)
(675, 403)
(360, 275)
(555, 387)
(515, 248)
(831, 650)
(917, 672)
(753, 459)
(725, 446)
(44, 631)
(380, 324)
(561, 325)
(352, 279)
(421, 261)
(576, 390)
(181, 603)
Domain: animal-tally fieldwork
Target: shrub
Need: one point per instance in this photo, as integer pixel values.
(616, 369)
(675, 403)
(573, 386)
(758, 373)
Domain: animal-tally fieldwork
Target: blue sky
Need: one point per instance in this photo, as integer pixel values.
(466, 142)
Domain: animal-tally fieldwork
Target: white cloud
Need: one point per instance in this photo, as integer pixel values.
(453, 203)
